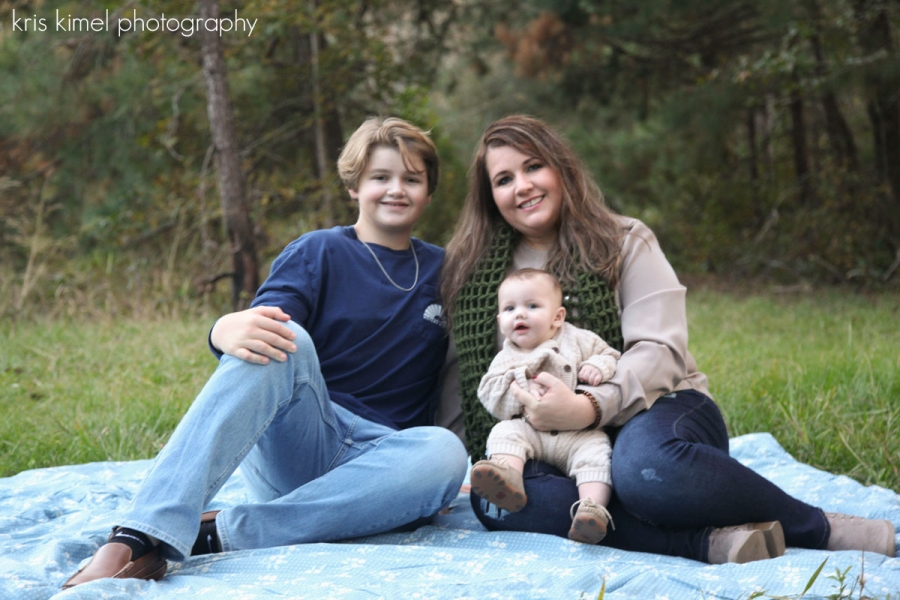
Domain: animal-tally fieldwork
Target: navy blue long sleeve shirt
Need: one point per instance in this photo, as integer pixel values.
(380, 349)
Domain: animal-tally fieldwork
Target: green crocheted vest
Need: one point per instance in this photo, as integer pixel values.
(475, 318)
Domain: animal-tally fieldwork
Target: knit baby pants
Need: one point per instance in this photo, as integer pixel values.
(583, 455)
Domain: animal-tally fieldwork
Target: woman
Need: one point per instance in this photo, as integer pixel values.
(531, 203)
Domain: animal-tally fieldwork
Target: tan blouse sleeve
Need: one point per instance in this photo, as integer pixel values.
(655, 359)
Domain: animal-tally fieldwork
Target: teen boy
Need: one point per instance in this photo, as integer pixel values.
(325, 392)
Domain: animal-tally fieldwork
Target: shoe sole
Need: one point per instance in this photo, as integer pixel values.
(488, 483)
(587, 529)
(753, 549)
(774, 535)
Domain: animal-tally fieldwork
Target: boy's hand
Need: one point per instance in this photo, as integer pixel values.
(590, 375)
(254, 335)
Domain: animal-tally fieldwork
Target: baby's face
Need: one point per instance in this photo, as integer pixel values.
(530, 312)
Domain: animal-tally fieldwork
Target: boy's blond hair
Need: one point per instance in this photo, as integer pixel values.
(392, 132)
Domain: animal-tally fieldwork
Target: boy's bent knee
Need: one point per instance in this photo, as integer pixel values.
(305, 358)
(303, 341)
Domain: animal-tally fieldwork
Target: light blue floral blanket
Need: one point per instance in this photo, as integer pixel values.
(53, 519)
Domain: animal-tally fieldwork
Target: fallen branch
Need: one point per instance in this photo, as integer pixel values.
(890, 270)
(828, 267)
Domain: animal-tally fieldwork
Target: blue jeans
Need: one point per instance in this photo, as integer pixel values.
(674, 481)
(320, 472)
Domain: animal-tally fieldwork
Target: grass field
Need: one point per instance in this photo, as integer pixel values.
(819, 371)
(74, 392)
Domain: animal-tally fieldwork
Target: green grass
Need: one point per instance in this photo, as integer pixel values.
(821, 372)
(818, 371)
(74, 392)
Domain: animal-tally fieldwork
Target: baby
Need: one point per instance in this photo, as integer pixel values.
(538, 339)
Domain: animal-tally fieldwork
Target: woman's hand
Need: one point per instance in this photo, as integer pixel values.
(559, 409)
(254, 335)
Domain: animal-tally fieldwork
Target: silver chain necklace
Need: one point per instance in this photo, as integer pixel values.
(381, 266)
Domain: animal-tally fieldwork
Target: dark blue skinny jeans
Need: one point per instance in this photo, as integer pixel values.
(673, 482)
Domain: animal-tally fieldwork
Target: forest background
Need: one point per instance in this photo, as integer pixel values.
(758, 139)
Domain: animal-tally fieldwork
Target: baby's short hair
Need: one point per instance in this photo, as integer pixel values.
(529, 273)
(392, 132)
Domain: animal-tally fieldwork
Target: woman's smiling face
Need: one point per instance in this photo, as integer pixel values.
(528, 193)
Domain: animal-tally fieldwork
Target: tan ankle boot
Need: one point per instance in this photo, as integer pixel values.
(733, 545)
(772, 531)
(856, 533)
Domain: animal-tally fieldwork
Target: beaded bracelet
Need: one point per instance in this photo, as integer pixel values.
(597, 414)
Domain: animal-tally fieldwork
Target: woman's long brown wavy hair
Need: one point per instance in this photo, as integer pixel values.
(589, 235)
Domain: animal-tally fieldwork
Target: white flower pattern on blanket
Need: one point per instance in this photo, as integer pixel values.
(52, 519)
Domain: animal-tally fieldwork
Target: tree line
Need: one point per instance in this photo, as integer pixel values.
(758, 139)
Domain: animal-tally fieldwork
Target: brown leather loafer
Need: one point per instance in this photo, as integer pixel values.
(114, 560)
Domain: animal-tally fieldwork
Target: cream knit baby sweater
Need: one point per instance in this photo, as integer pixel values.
(560, 356)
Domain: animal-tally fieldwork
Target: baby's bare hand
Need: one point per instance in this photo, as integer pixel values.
(537, 390)
(590, 375)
